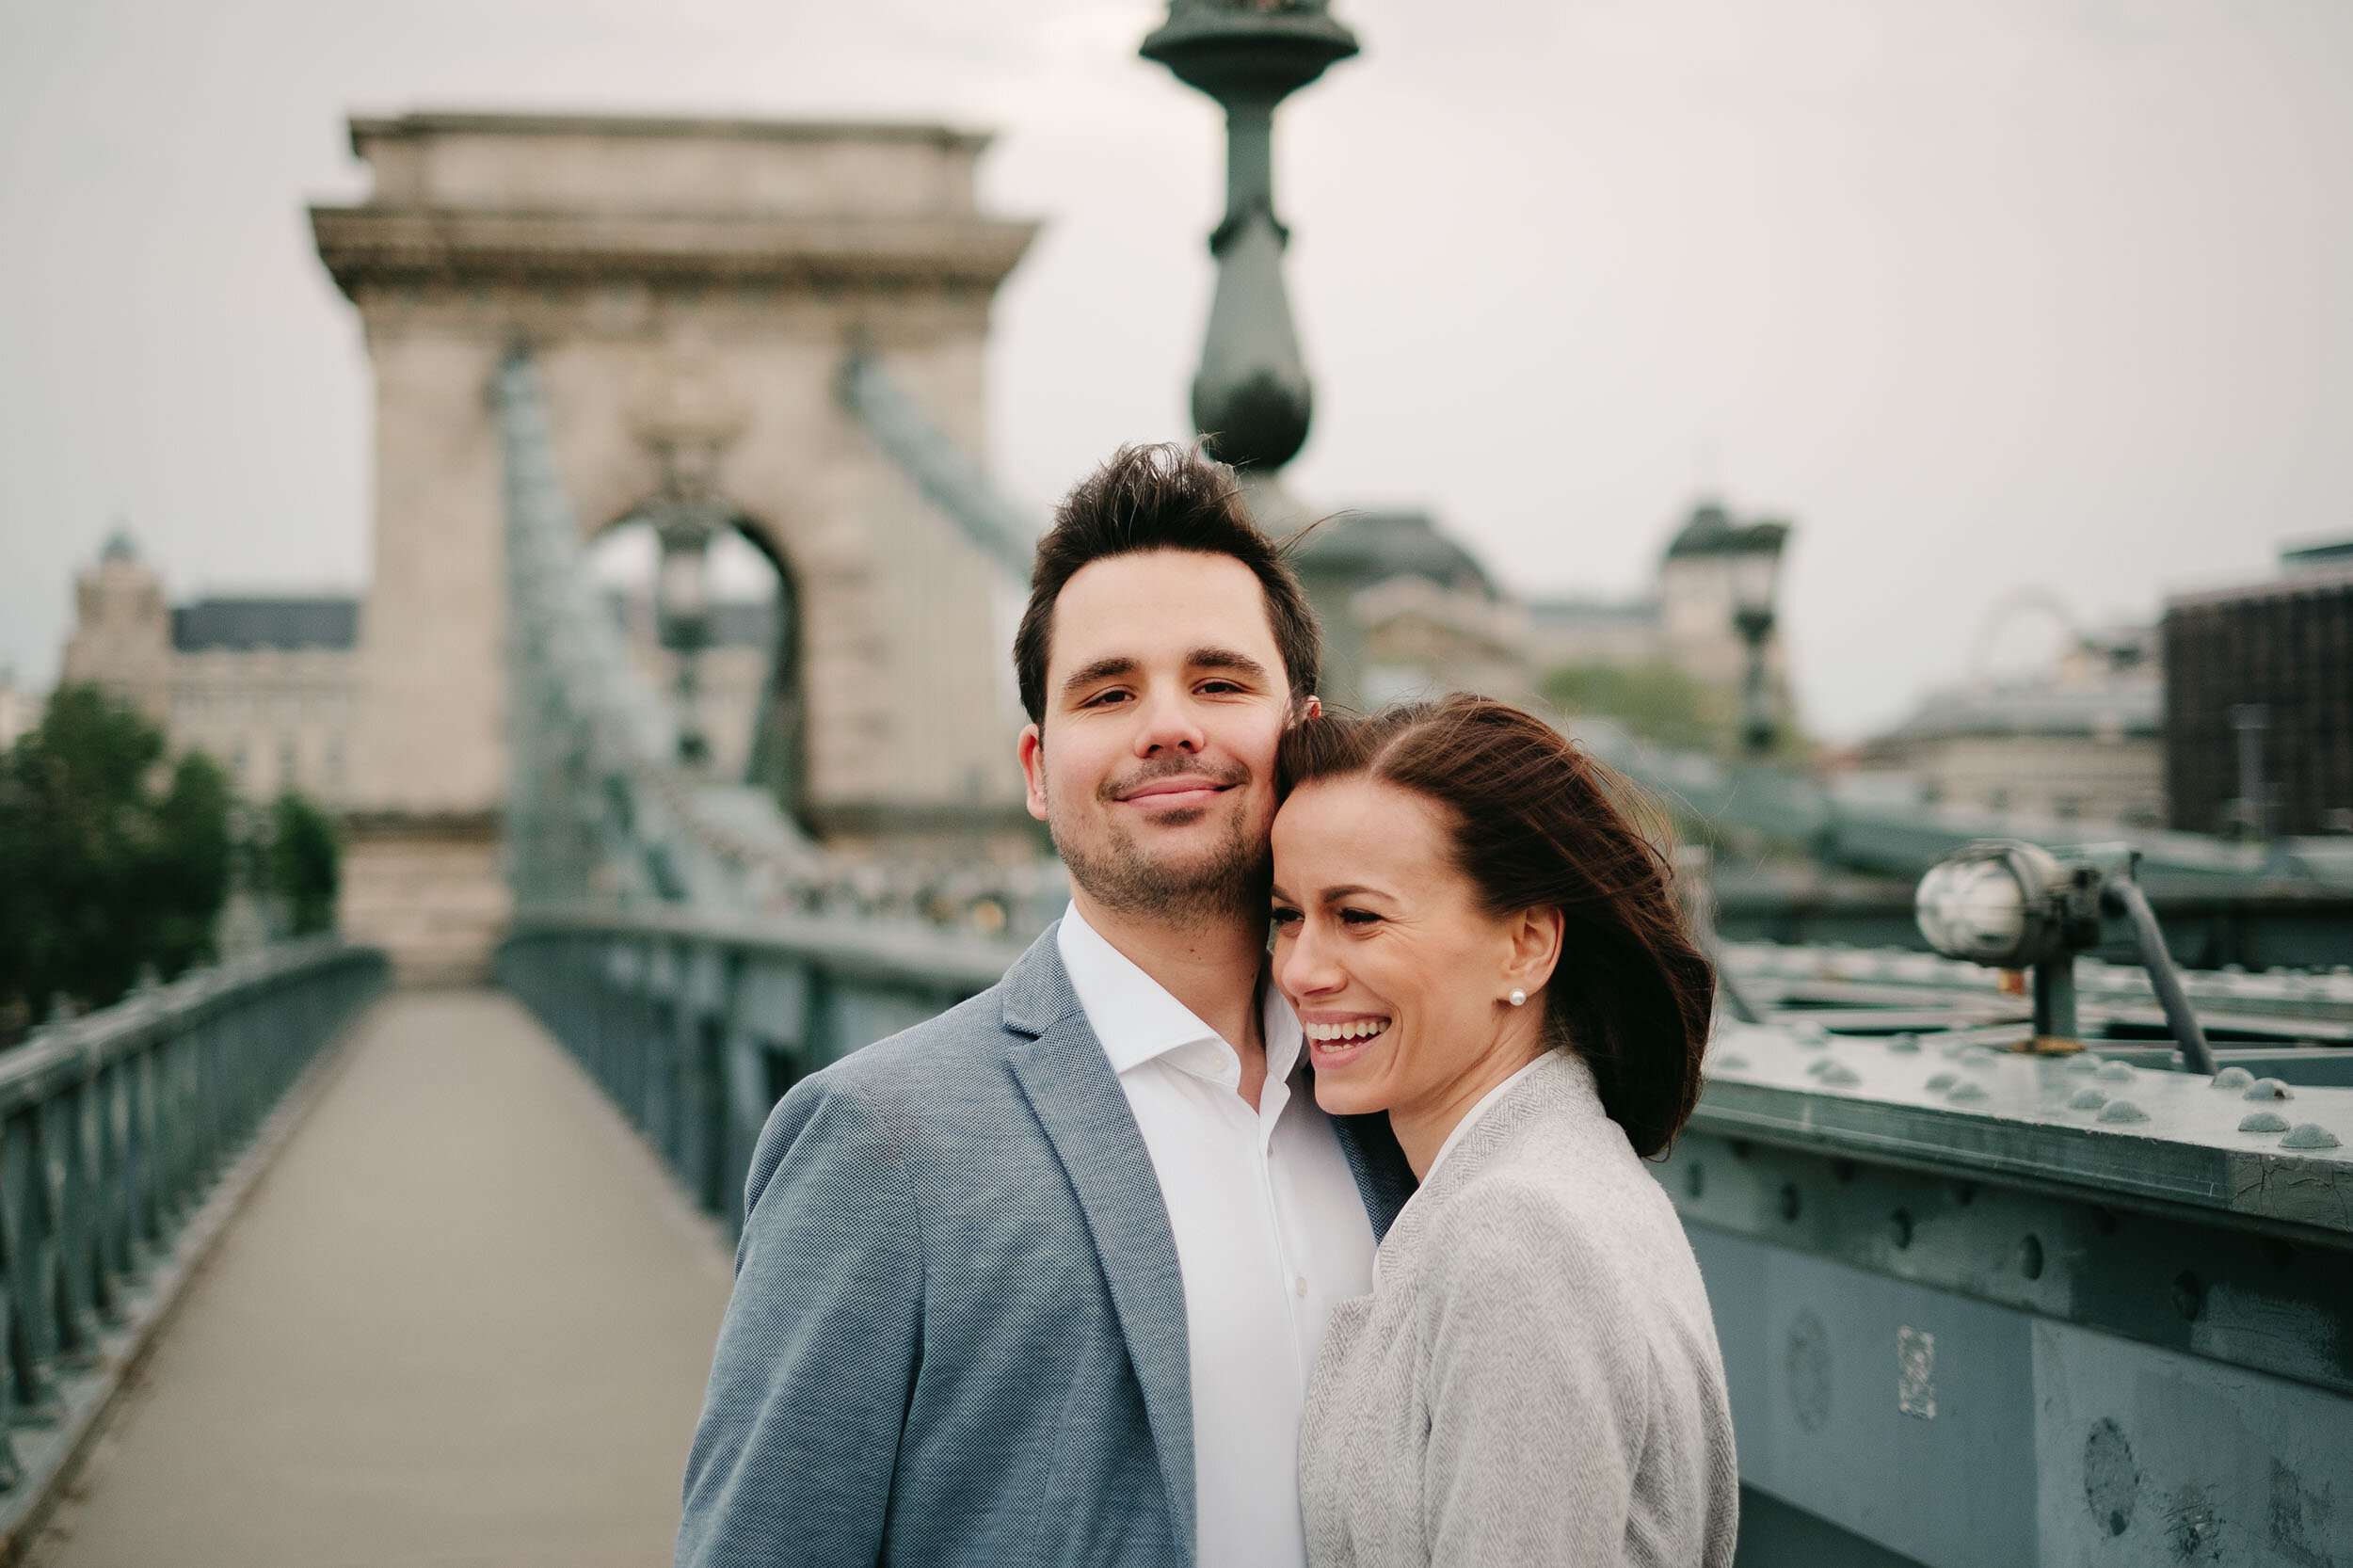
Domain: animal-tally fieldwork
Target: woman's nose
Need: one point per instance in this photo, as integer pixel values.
(1307, 968)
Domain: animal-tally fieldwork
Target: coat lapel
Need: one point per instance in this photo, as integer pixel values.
(1077, 1099)
(1383, 1179)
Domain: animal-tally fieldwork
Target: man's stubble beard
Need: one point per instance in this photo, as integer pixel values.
(1232, 881)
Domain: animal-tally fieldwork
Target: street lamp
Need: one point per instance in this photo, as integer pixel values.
(1251, 399)
(686, 516)
(1753, 561)
(2013, 905)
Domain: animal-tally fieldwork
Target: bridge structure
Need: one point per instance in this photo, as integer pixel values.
(297, 1267)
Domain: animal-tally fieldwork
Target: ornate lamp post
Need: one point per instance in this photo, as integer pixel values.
(1753, 562)
(686, 517)
(1252, 397)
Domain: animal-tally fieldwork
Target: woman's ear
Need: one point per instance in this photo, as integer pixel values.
(1536, 936)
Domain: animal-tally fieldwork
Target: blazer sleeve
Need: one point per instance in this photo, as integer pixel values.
(809, 1386)
(1537, 1394)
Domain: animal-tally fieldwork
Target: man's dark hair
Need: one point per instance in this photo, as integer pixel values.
(1163, 497)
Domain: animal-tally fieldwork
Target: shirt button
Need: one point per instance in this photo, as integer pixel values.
(1299, 1286)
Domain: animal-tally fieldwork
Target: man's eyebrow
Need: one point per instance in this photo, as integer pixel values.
(1224, 659)
(1102, 669)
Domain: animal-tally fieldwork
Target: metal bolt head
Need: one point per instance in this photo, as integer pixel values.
(2262, 1121)
(1904, 1045)
(1968, 1094)
(2087, 1099)
(1838, 1075)
(2309, 1135)
(1729, 1062)
(1939, 1082)
(2122, 1111)
(2115, 1072)
(2232, 1078)
(2268, 1089)
(2085, 1064)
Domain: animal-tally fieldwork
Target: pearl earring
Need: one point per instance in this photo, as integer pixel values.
(1519, 999)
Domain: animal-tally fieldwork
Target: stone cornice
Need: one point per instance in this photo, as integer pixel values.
(411, 246)
(429, 122)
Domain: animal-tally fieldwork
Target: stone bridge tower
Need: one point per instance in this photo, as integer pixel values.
(690, 291)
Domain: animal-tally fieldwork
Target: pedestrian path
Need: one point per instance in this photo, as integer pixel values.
(464, 1320)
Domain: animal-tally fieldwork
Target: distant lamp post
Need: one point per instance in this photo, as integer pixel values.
(686, 517)
(1252, 397)
(1753, 560)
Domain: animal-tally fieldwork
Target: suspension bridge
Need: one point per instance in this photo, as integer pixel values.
(301, 1265)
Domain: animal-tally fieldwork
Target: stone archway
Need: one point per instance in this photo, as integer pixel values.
(756, 254)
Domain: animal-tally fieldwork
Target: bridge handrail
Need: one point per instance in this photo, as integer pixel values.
(113, 1129)
(909, 953)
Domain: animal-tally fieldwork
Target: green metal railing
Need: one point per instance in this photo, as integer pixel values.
(696, 1023)
(115, 1129)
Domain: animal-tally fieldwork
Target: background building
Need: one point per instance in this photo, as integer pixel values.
(2080, 741)
(264, 684)
(2259, 700)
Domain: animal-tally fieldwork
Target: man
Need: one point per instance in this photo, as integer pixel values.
(1040, 1280)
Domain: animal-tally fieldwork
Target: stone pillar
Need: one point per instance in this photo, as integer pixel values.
(663, 269)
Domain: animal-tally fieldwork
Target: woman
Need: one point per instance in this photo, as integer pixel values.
(1479, 942)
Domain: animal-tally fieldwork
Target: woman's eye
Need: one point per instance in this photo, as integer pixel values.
(1358, 917)
(1286, 917)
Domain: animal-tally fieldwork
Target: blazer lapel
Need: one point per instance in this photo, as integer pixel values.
(1383, 1179)
(1078, 1101)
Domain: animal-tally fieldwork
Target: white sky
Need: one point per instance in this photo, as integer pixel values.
(1983, 296)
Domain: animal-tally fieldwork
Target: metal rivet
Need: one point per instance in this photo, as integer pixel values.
(1968, 1094)
(2087, 1099)
(1732, 1064)
(2309, 1135)
(1899, 1228)
(2190, 1294)
(1815, 1069)
(1907, 1045)
(1977, 1056)
(1838, 1075)
(2269, 1089)
(1939, 1082)
(2116, 1072)
(2031, 1257)
(1789, 1204)
(2234, 1078)
(2262, 1121)
(2086, 1063)
(2122, 1111)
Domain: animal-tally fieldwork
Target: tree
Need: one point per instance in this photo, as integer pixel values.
(305, 864)
(104, 868)
(1655, 700)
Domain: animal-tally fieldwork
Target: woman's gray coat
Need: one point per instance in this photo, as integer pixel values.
(1534, 1379)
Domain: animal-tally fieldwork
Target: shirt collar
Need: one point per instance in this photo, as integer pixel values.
(1137, 1021)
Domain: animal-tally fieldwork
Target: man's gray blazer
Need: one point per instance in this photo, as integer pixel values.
(958, 1330)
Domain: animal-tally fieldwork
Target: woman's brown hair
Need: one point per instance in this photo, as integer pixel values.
(1537, 823)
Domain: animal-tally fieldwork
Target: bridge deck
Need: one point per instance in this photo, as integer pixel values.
(464, 1320)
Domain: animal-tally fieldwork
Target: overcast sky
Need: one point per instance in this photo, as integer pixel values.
(1982, 295)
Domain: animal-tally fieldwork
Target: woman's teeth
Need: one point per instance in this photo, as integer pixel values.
(1363, 1029)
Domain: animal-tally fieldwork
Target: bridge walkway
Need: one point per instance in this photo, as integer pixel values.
(464, 1319)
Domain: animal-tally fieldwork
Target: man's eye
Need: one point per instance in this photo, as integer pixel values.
(1101, 699)
(1218, 688)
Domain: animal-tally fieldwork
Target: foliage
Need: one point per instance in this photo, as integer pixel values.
(114, 860)
(105, 868)
(1655, 700)
(304, 865)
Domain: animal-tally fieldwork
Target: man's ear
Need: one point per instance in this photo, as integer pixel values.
(1034, 769)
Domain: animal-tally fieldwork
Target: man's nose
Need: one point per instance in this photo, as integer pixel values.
(1169, 725)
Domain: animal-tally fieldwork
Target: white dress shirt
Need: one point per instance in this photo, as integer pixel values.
(1269, 1228)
